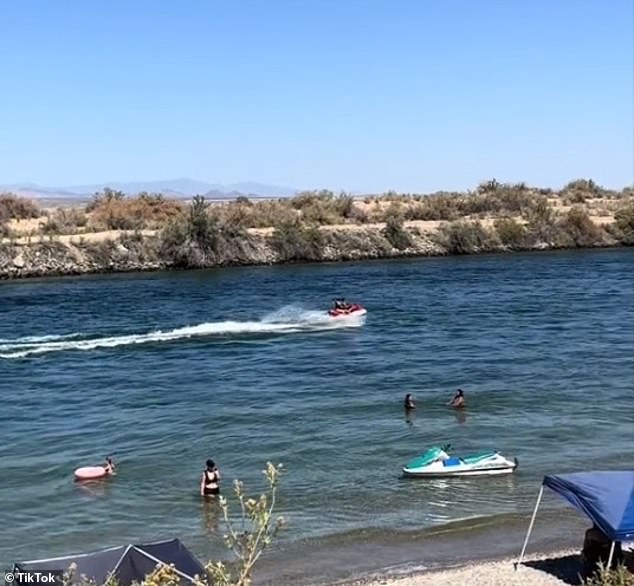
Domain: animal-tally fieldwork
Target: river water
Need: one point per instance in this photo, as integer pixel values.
(165, 370)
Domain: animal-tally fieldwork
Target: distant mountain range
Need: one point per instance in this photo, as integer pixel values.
(177, 188)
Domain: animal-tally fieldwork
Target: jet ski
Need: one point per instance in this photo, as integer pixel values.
(348, 310)
(436, 463)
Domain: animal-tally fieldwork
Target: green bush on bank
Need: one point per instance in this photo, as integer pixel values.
(580, 190)
(198, 239)
(579, 230)
(466, 237)
(623, 227)
(541, 224)
(293, 241)
(394, 230)
(512, 234)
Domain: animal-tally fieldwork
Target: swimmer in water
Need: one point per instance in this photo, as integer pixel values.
(109, 466)
(458, 400)
(408, 402)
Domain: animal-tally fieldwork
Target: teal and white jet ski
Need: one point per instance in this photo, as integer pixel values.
(436, 463)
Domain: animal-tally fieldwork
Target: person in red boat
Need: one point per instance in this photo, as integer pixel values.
(341, 305)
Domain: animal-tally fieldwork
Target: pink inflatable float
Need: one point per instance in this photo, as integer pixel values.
(90, 473)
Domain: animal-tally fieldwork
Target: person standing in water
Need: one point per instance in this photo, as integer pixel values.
(458, 400)
(408, 402)
(209, 483)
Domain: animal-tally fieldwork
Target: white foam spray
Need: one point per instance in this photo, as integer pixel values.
(287, 320)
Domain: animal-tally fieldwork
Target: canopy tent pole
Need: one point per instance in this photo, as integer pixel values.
(162, 563)
(611, 555)
(530, 526)
(112, 572)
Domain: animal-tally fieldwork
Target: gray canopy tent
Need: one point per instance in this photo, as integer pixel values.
(125, 563)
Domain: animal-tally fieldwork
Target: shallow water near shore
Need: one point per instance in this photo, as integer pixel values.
(165, 370)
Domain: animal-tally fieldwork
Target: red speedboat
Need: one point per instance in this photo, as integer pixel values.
(347, 310)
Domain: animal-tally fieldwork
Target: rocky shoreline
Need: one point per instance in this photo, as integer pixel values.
(130, 252)
(116, 233)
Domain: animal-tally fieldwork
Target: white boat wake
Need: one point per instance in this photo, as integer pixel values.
(287, 320)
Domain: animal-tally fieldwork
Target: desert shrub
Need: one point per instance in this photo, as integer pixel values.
(264, 214)
(65, 221)
(394, 230)
(131, 239)
(202, 228)
(541, 223)
(502, 198)
(323, 207)
(623, 227)
(199, 239)
(466, 237)
(395, 209)
(5, 231)
(173, 240)
(625, 193)
(578, 190)
(358, 215)
(575, 197)
(489, 186)
(102, 252)
(511, 233)
(438, 207)
(18, 208)
(191, 240)
(579, 229)
(233, 213)
(307, 198)
(117, 212)
(319, 212)
(344, 204)
(155, 209)
(430, 208)
(103, 197)
(293, 241)
(115, 215)
(620, 576)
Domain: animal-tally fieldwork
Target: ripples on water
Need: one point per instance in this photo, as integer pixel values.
(166, 370)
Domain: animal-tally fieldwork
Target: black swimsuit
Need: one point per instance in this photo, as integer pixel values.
(214, 478)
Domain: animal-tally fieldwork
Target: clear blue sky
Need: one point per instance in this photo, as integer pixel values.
(362, 95)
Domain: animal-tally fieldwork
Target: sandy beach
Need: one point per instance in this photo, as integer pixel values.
(552, 569)
(558, 568)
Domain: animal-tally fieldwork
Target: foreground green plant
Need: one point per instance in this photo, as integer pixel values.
(620, 576)
(257, 529)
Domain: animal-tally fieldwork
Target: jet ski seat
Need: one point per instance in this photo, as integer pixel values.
(452, 462)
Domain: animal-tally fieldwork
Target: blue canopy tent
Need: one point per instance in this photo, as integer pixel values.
(606, 497)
